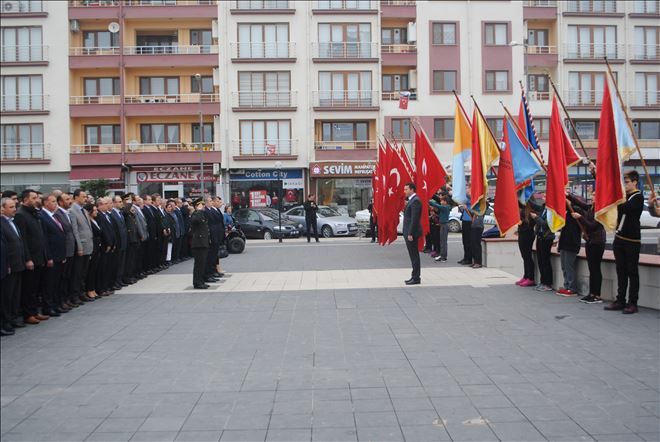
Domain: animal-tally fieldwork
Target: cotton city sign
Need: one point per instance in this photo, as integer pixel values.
(341, 169)
(172, 174)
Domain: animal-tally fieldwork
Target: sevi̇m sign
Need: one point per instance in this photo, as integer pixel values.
(342, 169)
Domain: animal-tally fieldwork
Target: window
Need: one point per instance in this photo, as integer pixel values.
(647, 130)
(394, 36)
(343, 4)
(100, 39)
(401, 128)
(22, 141)
(22, 93)
(207, 84)
(646, 42)
(269, 40)
(587, 129)
(538, 86)
(497, 34)
(202, 38)
(496, 126)
(207, 136)
(256, 136)
(262, 4)
(345, 40)
(22, 44)
(159, 133)
(537, 37)
(101, 86)
(345, 131)
(264, 89)
(585, 88)
(395, 82)
(159, 85)
(542, 126)
(602, 6)
(157, 40)
(23, 6)
(345, 88)
(444, 81)
(646, 89)
(497, 81)
(102, 134)
(443, 129)
(444, 33)
(646, 6)
(592, 42)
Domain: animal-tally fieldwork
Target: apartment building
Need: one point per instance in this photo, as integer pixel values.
(145, 94)
(33, 145)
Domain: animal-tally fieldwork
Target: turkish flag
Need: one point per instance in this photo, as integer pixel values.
(383, 168)
(403, 100)
(507, 215)
(430, 176)
(396, 178)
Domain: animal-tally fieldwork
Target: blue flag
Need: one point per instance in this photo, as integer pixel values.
(525, 165)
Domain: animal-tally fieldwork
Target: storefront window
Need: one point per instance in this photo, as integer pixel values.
(290, 187)
(346, 195)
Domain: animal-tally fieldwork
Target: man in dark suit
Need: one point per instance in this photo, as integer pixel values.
(55, 237)
(133, 239)
(310, 217)
(143, 234)
(412, 230)
(121, 235)
(149, 247)
(161, 240)
(62, 215)
(217, 232)
(177, 241)
(108, 244)
(199, 244)
(14, 247)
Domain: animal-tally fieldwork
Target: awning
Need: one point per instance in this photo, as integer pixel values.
(95, 173)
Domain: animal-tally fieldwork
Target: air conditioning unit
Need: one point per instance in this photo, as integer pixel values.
(74, 25)
(214, 29)
(412, 79)
(412, 32)
(10, 6)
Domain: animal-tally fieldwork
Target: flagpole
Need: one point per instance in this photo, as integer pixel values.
(570, 120)
(458, 100)
(630, 126)
(524, 135)
(492, 168)
(522, 88)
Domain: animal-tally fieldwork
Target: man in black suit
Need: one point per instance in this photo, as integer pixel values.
(13, 249)
(217, 234)
(133, 240)
(162, 239)
(64, 202)
(55, 237)
(121, 235)
(199, 244)
(412, 230)
(108, 243)
(150, 246)
(311, 208)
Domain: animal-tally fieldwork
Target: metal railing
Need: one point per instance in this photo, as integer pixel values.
(23, 6)
(410, 48)
(249, 50)
(530, 49)
(398, 2)
(94, 99)
(20, 54)
(171, 50)
(645, 52)
(646, 98)
(24, 103)
(171, 147)
(540, 3)
(351, 5)
(24, 151)
(263, 99)
(395, 95)
(579, 98)
(96, 148)
(344, 49)
(92, 3)
(591, 51)
(252, 5)
(97, 3)
(172, 98)
(345, 145)
(591, 7)
(646, 7)
(538, 95)
(93, 50)
(345, 99)
(249, 148)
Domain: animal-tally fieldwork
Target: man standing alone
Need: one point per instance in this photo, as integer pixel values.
(310, 217)
(412, 230)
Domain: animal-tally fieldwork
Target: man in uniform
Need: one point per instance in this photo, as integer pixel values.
(199, 243)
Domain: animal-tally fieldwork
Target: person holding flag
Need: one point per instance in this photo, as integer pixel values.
(460, 186)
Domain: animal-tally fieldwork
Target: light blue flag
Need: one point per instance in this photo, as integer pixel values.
(525, 165)
(624, 137)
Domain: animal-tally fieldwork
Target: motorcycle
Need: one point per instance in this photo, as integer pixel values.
(235, 239)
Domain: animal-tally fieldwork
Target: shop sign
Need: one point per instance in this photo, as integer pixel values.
(293, 183)
(341, 169)
(258, 198)
(267, 175)
(161, 174)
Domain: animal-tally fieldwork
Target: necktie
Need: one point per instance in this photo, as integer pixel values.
(13, 226)
(58, 223)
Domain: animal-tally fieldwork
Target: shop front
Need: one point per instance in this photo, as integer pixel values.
(181, 181)
(343, 185)
(264, 187)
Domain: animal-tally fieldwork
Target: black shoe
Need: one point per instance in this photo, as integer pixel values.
(201, 287)
(413, 281)
(7, 327)
(221, 275)
(17, 324)
(462, 261)
(6, 332)
(612, 306)
(217, 275)
(50, 313)
(210, 280)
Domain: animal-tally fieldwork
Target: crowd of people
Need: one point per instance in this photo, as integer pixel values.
(60, 250)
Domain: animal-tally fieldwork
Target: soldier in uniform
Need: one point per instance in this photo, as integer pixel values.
(199, 243)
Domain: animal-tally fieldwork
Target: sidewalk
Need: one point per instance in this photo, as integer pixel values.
(328, 344)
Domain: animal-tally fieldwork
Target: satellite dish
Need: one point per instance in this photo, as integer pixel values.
(113, 27)
(133, 145)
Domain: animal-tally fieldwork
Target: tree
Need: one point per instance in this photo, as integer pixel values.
(96, 188)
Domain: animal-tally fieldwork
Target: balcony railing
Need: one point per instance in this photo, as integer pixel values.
(23, 7)
(96, 148)
(583, 98)
(649, 98)
(25, 152)
(343, 49)
(646, 7)
(22, 54)
(24, 103)
(541, 49)
(540, 3)
(398, 2)
(171, 50)
(592, 7)
(645, 52)
(252, 5)
(399, 49)
(343, 5)
(538, 95)
(263, 99)
(345, 145)
(92, 3)
(590, 51)
(258, 51)
(260, 148)
(94, 99)
(93, 50)
(96, 3)
(395, 95)
(175, 98)
(143, 147)
(345, 99)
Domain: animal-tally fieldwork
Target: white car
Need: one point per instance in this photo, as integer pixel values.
(455, 219)
(647, 221)
(362, 217)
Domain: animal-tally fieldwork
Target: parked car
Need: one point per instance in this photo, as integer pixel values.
(455, 219)
(329, 222)
(362, 217)
(646, 221)
(263, 223)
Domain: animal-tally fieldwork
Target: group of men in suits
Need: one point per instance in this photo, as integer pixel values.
(208, 233)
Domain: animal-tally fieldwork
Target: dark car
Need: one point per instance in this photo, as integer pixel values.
(263, 223)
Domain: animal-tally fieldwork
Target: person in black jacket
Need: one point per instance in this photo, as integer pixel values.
(121, 233)
(627, 244)
(14, 248)
(199, 243)
(373, 224)
(412, 230)
(544, 239)
(525, 244)
(150, 254)
(569, 247)
(216, 225)
(132, 239)
(310, 217)
(104, 280)
(29, 224)
(91, 280)
(55, 237)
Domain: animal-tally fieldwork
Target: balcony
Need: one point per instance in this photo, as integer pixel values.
(338, 7)
(178, 104)
(541, 56)
(539, 10)
(275, 52)
(591, 8)
(94, 106)
(646, 9)
(24, 56)
(346, 100)
(398, 9)
(24, 9)
(265, 149)
(583, 99)
(171, 56)
(644, 100)
(261, 7)
(24, 104)
(345, 150)
(246, 101)
(645, 54)
(93, 57)
(32, 153)
(95, 148)
(144, 154)
(594, 53)
(143, 9)
(399, 54)
(395, 95)
(538, 95)
(353, 52)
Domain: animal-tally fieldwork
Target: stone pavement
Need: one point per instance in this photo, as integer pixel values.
(356, 358)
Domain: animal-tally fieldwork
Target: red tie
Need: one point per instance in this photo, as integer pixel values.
(58, 223)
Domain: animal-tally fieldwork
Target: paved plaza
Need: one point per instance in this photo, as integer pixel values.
(324, 342)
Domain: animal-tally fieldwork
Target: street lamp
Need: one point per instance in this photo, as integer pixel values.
(278, 167)
(198, 77)
(514, 43)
